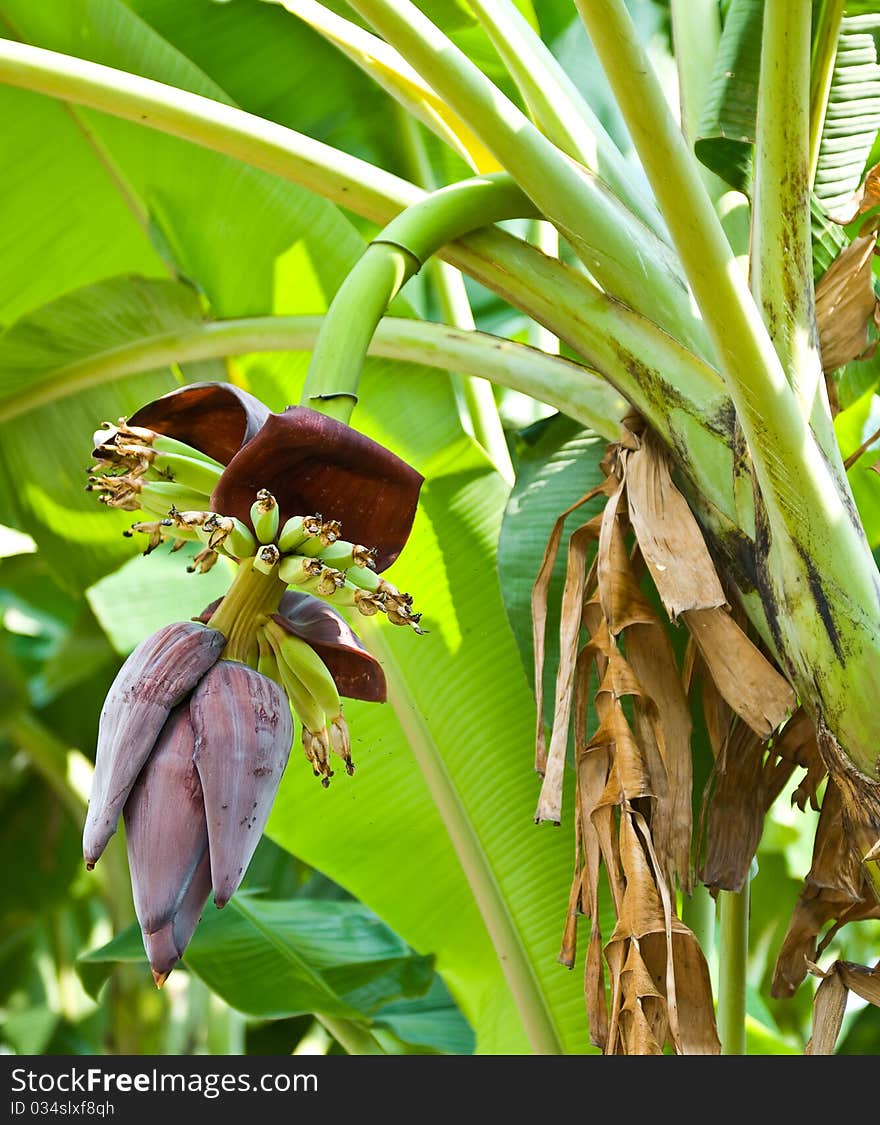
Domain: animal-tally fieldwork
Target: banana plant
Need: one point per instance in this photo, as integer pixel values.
(722, 501)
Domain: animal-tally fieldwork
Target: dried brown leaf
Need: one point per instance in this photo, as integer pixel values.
(652, 659)
(743, 675)
(669, 536)
(862, 980)
(745, 783)
(845, 301)
(671, 954)
(829, 1003)
(594, 990)
(550, 798)
(540, 591)
(797, 744)
(836, 887)
(623, 603)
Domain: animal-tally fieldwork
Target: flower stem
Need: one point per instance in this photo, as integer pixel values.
(477, 405)
(397, 253)
(733, 909)
(251, 595)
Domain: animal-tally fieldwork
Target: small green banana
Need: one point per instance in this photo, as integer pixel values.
(266, 558)
(192, 473)
(343, 555)
(308, 667)
(230, 535)
(364, 577)
(296, 531)
(267, 665)
(292, 534)
(323, 537)
(265, 517)
(297, 570)
(315, 737)
(366, 602)
(158, 497)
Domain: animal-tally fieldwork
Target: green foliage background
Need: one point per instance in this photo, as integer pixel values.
(358, 906)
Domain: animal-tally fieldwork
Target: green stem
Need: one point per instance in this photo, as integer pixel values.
(477, 401)
(820, 587)
(696, 32)
(698, 913)
(562, 299)
(827, 19)
(397, 253)
(626, 258)
(356, 1038)
(782, 251)
(546, 237)
(251, 594)
(556, 105)
(733, 942)
(561, 383)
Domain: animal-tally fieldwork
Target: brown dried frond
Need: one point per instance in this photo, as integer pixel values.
(540, 591)
(829, 1003)
(744, 677)
(797, 744)
(836, 887)
(846, 303)
(668, 535)
(633, 768)
(746, 780)
(550, 799)
(660, 984)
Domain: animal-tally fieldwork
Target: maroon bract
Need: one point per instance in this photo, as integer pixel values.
(309, 462)
(312, 463)
(217, 418)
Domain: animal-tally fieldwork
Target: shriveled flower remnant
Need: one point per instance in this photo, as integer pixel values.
(197, 727)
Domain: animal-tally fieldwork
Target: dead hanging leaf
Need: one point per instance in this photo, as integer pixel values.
(797, 744)
(651, 955)
(668, 535)
(620, 598)
(845, 302)
(743, 675)
(866, 196)
(550, 798)
(746, 780)
(652, 659)
(836, 887)
(632, 769)
(829, 1003)
(540, 590)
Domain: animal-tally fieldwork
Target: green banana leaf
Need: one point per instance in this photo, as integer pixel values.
(726, 135)
(274, 959)
(853, 114)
